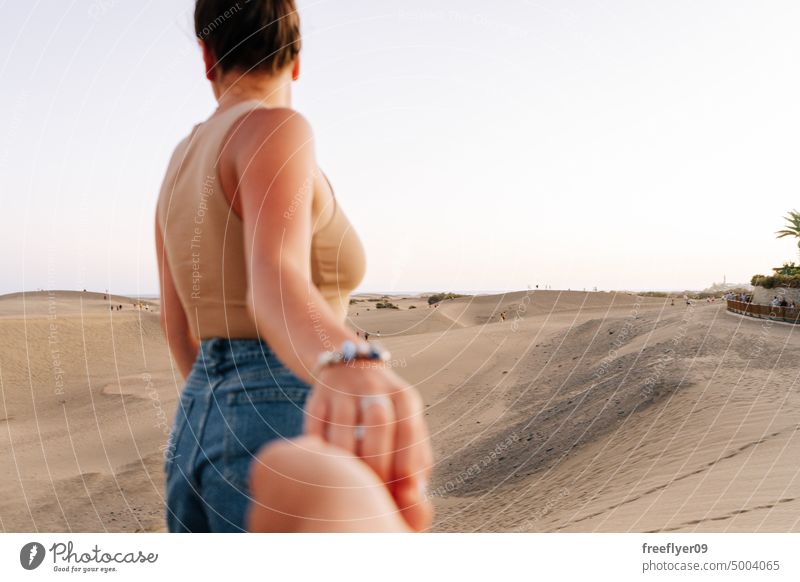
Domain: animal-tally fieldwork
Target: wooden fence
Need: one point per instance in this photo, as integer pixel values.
(787, 314)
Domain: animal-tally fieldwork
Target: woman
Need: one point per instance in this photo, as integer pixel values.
(256, 261)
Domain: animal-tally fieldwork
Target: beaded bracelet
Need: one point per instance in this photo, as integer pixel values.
(351, 352)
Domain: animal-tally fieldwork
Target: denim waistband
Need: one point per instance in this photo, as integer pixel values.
(231, 363)
(221, 350)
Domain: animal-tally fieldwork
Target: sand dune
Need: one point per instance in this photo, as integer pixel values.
(87, 397)
(579, 412)
(604, 412)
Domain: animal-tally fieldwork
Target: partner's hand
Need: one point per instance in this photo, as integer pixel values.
(394, 439)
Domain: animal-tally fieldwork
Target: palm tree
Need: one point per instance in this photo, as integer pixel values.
(792, 227)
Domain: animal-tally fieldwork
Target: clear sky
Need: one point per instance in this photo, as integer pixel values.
(627, 144)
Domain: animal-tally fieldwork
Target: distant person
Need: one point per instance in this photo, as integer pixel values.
(291, 259)
(366, 336)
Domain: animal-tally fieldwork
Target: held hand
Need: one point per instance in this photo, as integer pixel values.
(366, 409)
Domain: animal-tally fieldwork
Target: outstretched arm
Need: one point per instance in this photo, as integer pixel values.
(272, 154)
(307, 485)
(274, 162)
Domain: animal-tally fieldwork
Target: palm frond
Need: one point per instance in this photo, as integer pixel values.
(792, 225)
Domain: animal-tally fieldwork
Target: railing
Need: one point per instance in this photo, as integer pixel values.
(787, 314)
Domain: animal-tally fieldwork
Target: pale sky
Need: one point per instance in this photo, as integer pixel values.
(631, 144)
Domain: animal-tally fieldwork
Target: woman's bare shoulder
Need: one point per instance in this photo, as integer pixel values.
(263, 138)
(273, 126)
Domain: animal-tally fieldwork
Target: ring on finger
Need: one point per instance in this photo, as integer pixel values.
(373, 400)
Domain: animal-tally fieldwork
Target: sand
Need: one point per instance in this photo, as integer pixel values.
(87, 398)
(579, 412)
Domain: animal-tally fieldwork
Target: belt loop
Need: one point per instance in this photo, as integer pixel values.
(211, 351)
(225, 347)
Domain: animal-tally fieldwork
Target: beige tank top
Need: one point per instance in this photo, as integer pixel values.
(203, 239)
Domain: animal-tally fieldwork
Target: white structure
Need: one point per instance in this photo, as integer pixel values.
(762, 296)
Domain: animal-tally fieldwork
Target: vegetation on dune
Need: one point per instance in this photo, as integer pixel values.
(786, 276)
(776, 280)
(386, 305)
(437, 297)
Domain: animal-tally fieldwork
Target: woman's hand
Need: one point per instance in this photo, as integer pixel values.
(366, 409)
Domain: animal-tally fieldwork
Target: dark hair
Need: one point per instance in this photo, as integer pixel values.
(249, 35)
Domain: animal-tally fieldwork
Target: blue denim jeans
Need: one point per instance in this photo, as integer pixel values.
(237, 397)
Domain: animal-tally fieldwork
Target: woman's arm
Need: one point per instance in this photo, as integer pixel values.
(271, 154)
(182, 345)
(272, 157)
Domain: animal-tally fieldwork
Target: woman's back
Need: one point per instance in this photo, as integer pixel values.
(204, 237)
